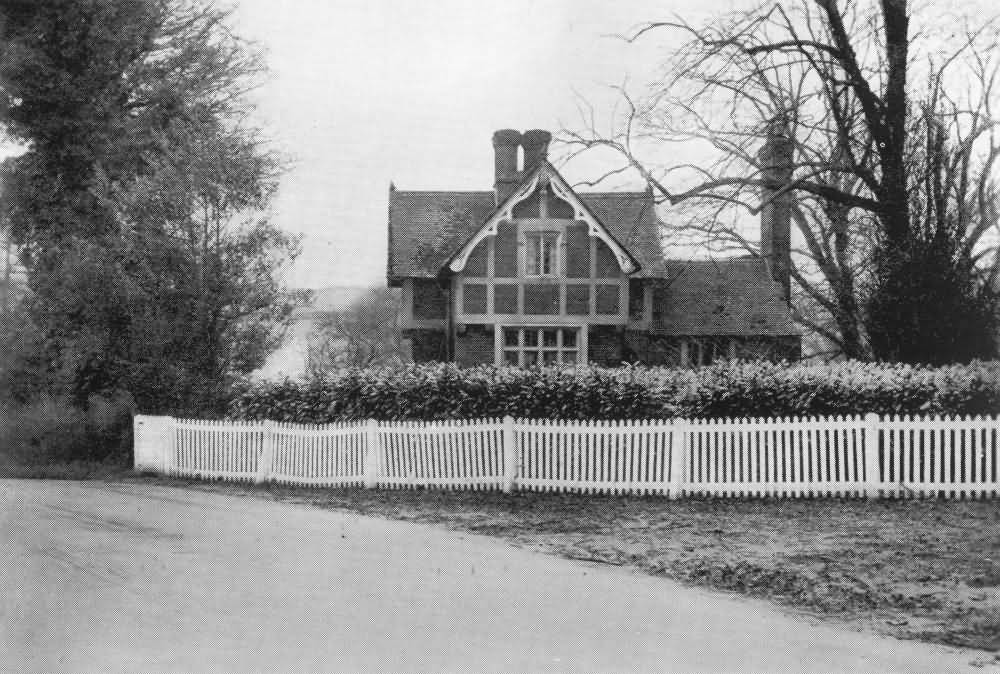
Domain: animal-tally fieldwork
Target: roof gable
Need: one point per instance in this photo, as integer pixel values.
(545, 175)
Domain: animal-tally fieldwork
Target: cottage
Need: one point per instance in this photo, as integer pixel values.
(534, 272)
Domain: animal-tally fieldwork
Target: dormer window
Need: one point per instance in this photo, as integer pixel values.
(541, 253)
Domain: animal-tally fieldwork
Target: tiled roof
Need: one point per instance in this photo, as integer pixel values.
(734, 296)
(425, 228)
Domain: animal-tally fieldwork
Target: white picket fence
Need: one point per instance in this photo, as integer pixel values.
(802, 457)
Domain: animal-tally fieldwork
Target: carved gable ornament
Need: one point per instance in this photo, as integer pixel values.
(545, 176)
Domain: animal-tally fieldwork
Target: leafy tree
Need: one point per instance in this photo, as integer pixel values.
(140, 204)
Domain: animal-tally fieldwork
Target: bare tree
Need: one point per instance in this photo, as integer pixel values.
(366, 333)
(867, 161)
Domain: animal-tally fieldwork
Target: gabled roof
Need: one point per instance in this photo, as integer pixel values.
(545, 175)
(733, 296)
(427, 228)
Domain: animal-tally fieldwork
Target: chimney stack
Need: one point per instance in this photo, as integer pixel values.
(505, 145)
(536, 147)
(776, 211)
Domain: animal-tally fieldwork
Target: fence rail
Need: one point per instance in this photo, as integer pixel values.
(793, 458)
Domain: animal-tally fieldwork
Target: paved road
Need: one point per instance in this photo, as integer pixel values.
(133, 578)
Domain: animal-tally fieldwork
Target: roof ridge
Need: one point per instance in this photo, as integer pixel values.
(628, 193)
(638, 195)
(749, 257)
(398, 191)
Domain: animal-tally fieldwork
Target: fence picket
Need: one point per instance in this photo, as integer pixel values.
(902, 456)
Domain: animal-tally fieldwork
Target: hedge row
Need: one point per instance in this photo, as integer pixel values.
(735, 389)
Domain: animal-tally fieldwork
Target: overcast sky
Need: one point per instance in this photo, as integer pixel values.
(364, 92)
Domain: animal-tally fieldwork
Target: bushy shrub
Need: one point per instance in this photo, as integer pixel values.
(51, 430)
(735, 389)
(446, 391)
(760, 389)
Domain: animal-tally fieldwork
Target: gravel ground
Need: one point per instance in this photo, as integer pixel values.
(927, 570)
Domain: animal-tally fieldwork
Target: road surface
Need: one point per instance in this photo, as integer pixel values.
(134, 578)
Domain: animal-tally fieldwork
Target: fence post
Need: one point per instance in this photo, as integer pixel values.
(870, 435)
(266, 457)
(372, 450)
(167, 456)
(139, 442)
(678, 457)
(509, 455)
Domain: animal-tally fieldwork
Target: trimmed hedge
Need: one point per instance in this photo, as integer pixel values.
(735, 389)
(759, 389)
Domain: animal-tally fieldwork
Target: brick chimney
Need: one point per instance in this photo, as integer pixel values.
(505, 145)
(536, 147)
(776, 211)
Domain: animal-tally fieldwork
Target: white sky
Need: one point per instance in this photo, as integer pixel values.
(364, 92)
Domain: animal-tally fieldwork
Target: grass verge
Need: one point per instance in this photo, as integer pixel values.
(64, 470)
(927, 570)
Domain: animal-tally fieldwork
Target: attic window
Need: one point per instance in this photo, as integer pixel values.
(541, 253)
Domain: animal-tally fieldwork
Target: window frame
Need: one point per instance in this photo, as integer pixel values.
(555, 247)
(539, 348)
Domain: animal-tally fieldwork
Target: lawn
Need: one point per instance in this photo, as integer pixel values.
(927, 570)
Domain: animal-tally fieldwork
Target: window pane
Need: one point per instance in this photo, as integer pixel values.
(550, 356)
(569, 356)
(532, 254)
(569, 338)
(510, 357)
(530, 358)
(548, 255)
(549, 337)
(531, 337)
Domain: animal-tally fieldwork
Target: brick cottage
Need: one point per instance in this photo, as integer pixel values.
(534, 272)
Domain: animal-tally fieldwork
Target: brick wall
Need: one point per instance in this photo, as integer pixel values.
(474, 346)
(604, 345)
(505, 254)
(430, 300)
(577, 251)
(427, 345)
(641, 347)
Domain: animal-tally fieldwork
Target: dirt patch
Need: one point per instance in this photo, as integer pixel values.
(925, 570)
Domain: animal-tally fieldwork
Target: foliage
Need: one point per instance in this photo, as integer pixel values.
(54, 431)
(446, 391)
(759, 389)
(735, 389)
(931, 306)
(364, 334)
(139, 206)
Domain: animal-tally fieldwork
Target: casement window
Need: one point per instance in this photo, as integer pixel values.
(534, 346)
(541, 253)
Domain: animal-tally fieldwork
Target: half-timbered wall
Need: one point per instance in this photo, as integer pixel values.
(587, 286)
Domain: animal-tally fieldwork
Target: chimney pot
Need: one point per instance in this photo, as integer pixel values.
(505, 145)
(536, 147)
